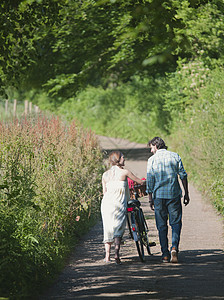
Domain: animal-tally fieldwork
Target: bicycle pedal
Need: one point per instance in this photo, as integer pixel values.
(151, 244)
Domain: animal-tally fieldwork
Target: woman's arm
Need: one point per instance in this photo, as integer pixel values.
(133, 177)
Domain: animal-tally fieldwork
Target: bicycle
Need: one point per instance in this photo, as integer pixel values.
(137, 225)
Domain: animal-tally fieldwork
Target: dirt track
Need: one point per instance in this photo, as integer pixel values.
(198, 275)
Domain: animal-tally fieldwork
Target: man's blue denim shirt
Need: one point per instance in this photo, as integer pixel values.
(163, 169)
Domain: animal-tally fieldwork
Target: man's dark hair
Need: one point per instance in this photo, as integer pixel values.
(158, 142)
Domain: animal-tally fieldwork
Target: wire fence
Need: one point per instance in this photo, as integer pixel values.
(10, 109)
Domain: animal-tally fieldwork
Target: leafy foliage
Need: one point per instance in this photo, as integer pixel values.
(198, 135)
(184, 86)
(64, 45)
(22, 37)
(133, 110)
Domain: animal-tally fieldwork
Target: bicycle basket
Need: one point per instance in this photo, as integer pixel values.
(141, 189)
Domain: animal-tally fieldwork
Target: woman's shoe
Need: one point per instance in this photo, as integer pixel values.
(165, 259)
(107, 261)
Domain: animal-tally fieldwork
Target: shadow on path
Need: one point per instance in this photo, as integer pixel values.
(199, 275)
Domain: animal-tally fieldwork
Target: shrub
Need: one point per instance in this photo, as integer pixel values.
(199, 139)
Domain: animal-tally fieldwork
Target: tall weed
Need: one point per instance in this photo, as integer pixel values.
(50, 188)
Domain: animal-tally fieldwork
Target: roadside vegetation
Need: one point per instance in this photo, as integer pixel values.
(197, 134)
(50, 193)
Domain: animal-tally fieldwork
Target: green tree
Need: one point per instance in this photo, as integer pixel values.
(22, 24)
(62, 46)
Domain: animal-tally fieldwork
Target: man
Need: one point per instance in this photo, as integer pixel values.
(165, 194)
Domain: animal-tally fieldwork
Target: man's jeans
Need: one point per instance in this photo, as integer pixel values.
(173, 209)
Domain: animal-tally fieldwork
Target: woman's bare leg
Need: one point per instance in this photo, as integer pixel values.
(117, 241)
(107, 250)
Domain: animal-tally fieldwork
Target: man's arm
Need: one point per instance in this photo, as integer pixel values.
(150, 183)
(186, 193)
(183, 177)
(151, 202)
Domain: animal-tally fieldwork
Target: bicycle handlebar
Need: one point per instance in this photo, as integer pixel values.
(139, 190)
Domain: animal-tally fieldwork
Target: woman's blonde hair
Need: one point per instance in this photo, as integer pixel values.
(115, 157)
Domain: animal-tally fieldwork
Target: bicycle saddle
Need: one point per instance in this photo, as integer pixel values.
(134, 203)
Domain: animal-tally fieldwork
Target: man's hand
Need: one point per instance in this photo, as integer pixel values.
(151, 202)
(186, 199)
(186, 196)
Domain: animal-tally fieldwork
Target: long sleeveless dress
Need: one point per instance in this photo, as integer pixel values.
(114, 205)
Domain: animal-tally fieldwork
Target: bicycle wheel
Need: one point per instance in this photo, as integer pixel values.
(139, 242)
(144, 231)
(129, 226)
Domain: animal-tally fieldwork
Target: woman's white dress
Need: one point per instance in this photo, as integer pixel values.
(114, 205)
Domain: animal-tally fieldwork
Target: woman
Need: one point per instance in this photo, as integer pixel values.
(114, 202)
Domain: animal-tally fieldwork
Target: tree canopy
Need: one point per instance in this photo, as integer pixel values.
(63, 45)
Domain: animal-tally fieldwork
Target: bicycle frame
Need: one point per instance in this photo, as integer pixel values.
(138, 227)
(133, 225)
(133, 211)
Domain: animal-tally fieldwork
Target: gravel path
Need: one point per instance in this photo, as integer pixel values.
(198, 275)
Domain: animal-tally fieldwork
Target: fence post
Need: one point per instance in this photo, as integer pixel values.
(26, 106)
(36, 108)
(6, 106)
(14, 107)
(30, 107)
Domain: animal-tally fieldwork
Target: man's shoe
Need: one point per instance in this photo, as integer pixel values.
(174, 256)
(117, 261)
(165, 259)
